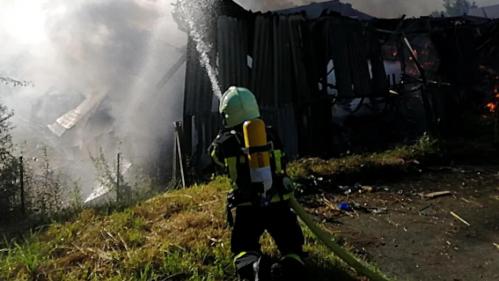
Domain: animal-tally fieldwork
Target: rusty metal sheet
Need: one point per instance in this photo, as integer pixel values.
(198, 92)
(72, 117)
(262, 77)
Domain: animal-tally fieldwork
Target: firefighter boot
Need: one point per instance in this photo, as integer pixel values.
(288, 269)
(253, 267)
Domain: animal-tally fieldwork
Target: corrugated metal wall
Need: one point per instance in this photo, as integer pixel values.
(284, 60)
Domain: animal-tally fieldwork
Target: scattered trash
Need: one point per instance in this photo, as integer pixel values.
(357, 187)
(344, 206)
(377, 211)
(433, 195)
(318, 181)
(346, 189)
(368, 210)
(358, 207)
(497, 245)
(425, 208)
(460, 219)
(415, 162)
(393, 223)
(367, 188)
(472, 202)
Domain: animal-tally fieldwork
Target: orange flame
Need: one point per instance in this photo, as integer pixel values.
(491, 107)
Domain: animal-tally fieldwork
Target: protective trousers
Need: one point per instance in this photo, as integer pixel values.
(281, 223)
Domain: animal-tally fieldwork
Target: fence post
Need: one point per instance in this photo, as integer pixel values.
(21, 180)
(178, 126)
(118, 194)
(174, 158)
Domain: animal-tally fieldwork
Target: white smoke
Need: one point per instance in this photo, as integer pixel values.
(487, 2)
(81, 49)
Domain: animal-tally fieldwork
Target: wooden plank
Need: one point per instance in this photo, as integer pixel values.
(436, 194)
(460, 218)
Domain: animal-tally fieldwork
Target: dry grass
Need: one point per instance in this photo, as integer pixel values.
(179, 235)
(135, 244)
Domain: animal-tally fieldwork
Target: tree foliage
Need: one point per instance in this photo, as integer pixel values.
(14, 82)
(5, 138)
(8, 165)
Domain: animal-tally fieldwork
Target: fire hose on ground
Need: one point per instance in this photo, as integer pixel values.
(329, 241)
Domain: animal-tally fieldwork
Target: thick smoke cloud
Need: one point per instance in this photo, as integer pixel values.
(115, 50)
(378, 8)
(372, 7)
(396, 8)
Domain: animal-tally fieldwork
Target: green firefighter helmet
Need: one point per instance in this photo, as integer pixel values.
(238, 105)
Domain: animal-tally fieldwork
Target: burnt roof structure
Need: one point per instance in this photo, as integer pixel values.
(490, 12)
(315, 10)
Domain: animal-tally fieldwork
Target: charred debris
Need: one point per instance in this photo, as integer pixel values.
(334, 84)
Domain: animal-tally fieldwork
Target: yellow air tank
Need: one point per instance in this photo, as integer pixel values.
(255, 141)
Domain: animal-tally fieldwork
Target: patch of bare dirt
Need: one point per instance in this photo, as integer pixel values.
(411, 237)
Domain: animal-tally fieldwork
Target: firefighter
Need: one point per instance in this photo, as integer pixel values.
(253, 158)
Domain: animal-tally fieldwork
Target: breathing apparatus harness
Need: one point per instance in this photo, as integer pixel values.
(264, 162)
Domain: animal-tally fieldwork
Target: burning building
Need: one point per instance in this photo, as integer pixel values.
(335, 81)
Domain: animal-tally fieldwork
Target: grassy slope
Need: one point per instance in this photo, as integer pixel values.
(179, 235)
(398, 160)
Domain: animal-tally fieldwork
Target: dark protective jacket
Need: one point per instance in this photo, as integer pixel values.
(227, 150)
